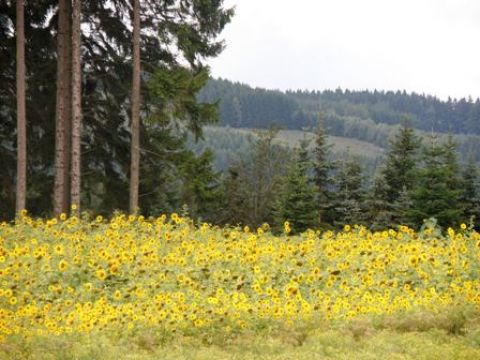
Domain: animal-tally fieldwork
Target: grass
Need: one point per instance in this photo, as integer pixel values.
(340, 144)
(416, 335)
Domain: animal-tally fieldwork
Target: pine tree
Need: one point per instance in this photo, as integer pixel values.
(75, 189)
(21, 186)
(322, 168)
(135, 124)
(432, 195)
(63, 110)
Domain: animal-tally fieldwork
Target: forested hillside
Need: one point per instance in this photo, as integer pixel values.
(231, 144)
(370, 116)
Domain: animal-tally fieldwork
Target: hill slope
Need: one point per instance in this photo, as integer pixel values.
(370, 117)
(229, 144)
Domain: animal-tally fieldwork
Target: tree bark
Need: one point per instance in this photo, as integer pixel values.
(63, 109)
(21, 185)
(135, 126)
(76, 106)
(68, 108)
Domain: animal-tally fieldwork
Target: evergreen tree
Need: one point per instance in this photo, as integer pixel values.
(253, 183)
(322, 168)
(135, 112)
(470, 196)
(21, 185)
(297, 200)
(77, 117)
(200, 190)
(432, 195)
(451, 163)
(400, 167)
(188, 36)
(349, 193)
(235, 193)
(63, 109)
(401, 161)
(268, 165)
(379, 211)
(402, 207)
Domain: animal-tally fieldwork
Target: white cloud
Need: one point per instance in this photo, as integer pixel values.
(419, 45)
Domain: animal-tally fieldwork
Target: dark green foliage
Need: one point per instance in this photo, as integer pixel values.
(297, 200)
(379, 210)
(432, 197)
(242, 106)
(400, 164)
(363, 115)
(349, 193)
(322, 168)
(173, 93)
(470, 195)
(451, 163)
(382, 107)
(402, 208)
(253, 184)
(235, 188)
(200, 187)
(176, 40)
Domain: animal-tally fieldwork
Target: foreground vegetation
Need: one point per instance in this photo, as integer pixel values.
(417, 337)
(80, 288)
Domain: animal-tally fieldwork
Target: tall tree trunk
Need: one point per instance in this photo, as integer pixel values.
(21, 112)
(135, 145)
(63, 109)
(68, 109)
(76, 106)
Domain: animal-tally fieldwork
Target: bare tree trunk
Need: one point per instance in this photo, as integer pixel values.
(135, 145)
(63, 109)
(21, 185)
(76, 106)
(68, 108)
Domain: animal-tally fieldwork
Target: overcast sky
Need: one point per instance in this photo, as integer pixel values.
(426, 46)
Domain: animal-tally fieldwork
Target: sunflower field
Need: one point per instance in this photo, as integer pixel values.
(107, 276)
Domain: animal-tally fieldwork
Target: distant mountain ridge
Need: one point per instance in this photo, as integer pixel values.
(370, 116)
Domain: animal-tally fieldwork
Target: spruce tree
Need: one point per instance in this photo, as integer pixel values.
(399, 171)
(235, 193)
(349, 193)
(432, 195)
(451, 163)
(470, 195)
(297, 200)
(253, 183)
(322, 170)
(379, 211)
(200, 188)
(400, 164)
(401, 208)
